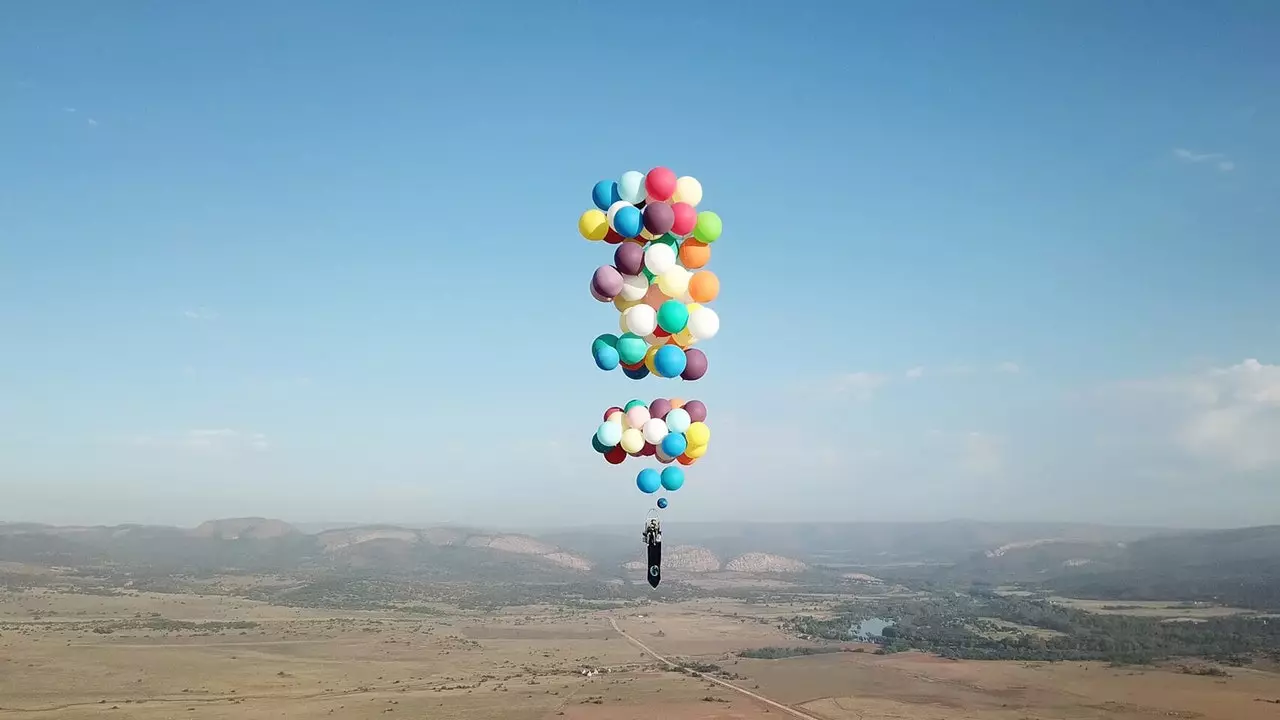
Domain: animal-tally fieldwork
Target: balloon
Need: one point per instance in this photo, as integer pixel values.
(662, 457)
(660, 183)
(685, 460)
(597, 445)
(698, 434)
(606, 357)
(653, 296)
(675, 282)
(612, 237)
(598, 296)
(620, 302)
(704, 286)
(674, 444)
(659, 408)
(637, 417)
(631, 348)
(708, 227)
(696, 451)
(662, 503)
(631, 441)
(648, 480)
(631, 186)
(609, 434)
(654, 430)
(616, 416)
(697, 410)
(637, 373)
(672, 316)
(609, 413)
(659, 258)
(693, 254)
(677, 403)
(627, 221)
(670, 239)
(612, 212)
(594, 225)
(688, 190)
(703, 323)
(668, 362)
(658, 218)
(615, 455)
(605, 340)
(629, 258)
(678, 421)
(607, 281)
(648, 358)
(634, 288)
(685, 219)
(640, 320)
(647, 450)
(632, 404)
(695, 366)
(605, 194)
(672, 478)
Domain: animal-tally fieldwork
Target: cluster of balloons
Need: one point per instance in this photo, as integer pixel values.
(669, 430)
(658, 280)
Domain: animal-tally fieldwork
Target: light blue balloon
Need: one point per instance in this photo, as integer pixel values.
(669, 361)
(648, 480)
(606, 357)
(605, 194)
(672, 478)
(609, 434)
(628, 221)
(678, 420)
(674, 444)
(631, 187)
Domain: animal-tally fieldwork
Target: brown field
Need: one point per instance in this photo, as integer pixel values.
(525, 664)
(1152, 608)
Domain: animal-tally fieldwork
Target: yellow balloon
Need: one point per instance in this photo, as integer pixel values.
(648, 358)
(622, 323)
(683, 339)
(656, 341)
(688, 190)
(624, 305)
(593, 224)
(674, 282)
(697, 434)
(647, 235)
(695, 451)
(632, 441)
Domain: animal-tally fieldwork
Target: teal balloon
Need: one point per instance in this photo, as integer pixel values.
(632, 404)
(598, 446)
(648, 480)
(606, 340)
(674, 444)
(631, 348)
(639, 373)
(672, 317)
(606, 357)
(672, 478)
(609, 434)
(669, 361)
(669, 239)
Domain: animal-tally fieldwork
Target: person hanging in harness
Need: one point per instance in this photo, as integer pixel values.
(653, 539)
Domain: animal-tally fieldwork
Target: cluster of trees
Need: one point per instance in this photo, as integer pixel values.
(777, 653)
(960, 626)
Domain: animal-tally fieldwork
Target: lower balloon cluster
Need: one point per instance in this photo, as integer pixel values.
(668, 430)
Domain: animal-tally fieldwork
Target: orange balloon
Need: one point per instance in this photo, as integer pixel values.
(677, 402)
(704, 286)
(685, 460)
(694, 254)
(653, 297)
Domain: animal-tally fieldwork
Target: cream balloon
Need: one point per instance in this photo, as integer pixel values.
(703, 323)
(688, 190)
(632, 441)
(633, 288)
(674, 283)
(640, 320)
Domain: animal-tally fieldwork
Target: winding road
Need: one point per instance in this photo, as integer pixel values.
(754, 696)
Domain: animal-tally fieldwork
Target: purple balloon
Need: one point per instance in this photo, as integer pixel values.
(697, 410)
(659, 408)
(607, 281)
(598, 296)
(695, 365)
(658, 218)
(629, 257)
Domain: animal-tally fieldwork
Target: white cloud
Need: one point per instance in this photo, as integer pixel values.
(93, 123)
(1218, 160)
(1008, 367)
(200, 314)
(861, 384)
(914, 373)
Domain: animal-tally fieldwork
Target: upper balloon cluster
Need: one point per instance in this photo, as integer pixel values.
(658, 281)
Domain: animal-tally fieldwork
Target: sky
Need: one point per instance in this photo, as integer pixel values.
(319, 261)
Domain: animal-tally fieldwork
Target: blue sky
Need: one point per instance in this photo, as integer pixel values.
(319, 261)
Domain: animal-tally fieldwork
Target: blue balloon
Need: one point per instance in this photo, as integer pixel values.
(606, 357)
(609, 433)
(662, 503)
(669, 361)
(628, 221)
(605, 194)
(672, 478)
(648, 480)
(639, 373)
(674, 444)
(598, 446)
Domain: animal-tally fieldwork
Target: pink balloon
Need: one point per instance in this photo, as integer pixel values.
(660, 183)
(637, 416)
(685, 218)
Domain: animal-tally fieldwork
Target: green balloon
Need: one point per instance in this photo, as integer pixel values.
(604, 340)
(631, 348)
(672, 316)
(633, 403)
(708, 227)
(669, 239)
(647, 275)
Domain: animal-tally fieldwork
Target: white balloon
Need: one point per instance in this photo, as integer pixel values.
(635, 287)
(659, 258)
(688, 190)
(640, 319)
(678, 420)
(704, 323)
(631, 186)
(653, 431)
(613, 210)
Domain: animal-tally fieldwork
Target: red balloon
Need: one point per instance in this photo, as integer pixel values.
(634, 366)
(615, 455)
(611, 411)
(686, 218)
(614, 238)
(660, 183)
(649, 450)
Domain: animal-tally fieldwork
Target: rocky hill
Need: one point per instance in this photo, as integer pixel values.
(255, 528)
(683, 558)
(758, 562)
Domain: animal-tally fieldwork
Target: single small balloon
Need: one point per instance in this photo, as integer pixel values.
(669, 361)
(695, 365)
(688, 190)
(672, 479)
(648, 480)
(598, 446)
(662, 503)
(674, 444)
(605, 194)
(707, 228)
(631, 186)
(660, 183)
(594, 225)
(685, 219)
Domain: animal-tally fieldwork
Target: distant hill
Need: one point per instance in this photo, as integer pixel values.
(244, 528)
